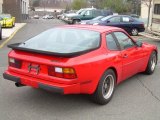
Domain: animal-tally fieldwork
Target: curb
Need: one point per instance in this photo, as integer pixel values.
(148, 36)
(12, 35)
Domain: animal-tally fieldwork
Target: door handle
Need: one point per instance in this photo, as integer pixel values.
(125, 56)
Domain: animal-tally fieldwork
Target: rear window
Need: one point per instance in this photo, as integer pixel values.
(62, 40)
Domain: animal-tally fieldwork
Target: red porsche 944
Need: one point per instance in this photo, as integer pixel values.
(80, 59)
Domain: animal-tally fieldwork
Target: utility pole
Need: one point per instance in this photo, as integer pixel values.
(149, 9)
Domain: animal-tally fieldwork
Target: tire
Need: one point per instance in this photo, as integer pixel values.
(13, 24)
(151, 63)
(105, 88)
(134, 32)
(76, 21)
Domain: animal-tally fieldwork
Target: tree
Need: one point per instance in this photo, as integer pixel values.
(120, 6)
(78, 4)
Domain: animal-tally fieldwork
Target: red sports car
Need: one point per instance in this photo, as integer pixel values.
(80, 59)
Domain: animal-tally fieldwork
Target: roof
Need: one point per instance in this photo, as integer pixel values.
(97, 28)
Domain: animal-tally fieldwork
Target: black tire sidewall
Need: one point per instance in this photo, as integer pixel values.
(148, 69)
(98, 95)
(74, 21)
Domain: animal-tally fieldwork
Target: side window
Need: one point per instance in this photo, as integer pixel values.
(111, 43)
(124, 41)
(115, 19)
(97, 13)
(127, 19)
(88, 13)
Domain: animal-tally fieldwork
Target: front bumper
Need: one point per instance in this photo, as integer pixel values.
(46, 85)
(6, 25)
(69, 21)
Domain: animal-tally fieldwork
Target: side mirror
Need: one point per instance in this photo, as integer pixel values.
(139, 44)
(108, 21)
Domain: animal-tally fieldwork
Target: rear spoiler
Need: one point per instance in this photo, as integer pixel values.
(66, 55)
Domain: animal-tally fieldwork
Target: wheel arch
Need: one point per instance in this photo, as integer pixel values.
(76, 19)
(115, 71)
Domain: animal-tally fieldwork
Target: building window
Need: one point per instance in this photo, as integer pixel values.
(157, 9)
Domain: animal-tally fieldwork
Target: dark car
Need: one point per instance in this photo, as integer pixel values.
(94, 19)
(132, 25)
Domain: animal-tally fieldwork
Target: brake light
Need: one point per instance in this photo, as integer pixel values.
(142, 25)
(15, 63)
(68, 73)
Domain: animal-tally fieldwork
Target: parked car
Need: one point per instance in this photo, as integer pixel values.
(94, 19)
(0, 32)
(36, 16)
(6, 20)
(86, 14)
(48, 17)
(132, 25)
(65, 15)
(105, 56)
(62, 14)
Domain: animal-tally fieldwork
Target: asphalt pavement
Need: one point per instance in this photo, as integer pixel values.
(137, 98)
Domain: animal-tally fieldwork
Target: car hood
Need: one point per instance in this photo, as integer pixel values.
(72, 15)
(5, 20)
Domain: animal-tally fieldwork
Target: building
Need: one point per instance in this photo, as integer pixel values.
(1, 2)
(17, 8)
(155, 18)
(145, 12)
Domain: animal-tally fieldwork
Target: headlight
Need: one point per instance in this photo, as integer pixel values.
(96, 24)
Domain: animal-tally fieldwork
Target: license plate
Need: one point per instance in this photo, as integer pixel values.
(33, 68)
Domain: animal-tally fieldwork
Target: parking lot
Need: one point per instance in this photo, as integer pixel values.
(138, 98)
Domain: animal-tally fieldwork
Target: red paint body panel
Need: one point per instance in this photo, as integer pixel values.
(89, 67)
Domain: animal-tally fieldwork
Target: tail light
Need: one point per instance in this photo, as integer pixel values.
(67, 73)
(15, 62)
(142, 25)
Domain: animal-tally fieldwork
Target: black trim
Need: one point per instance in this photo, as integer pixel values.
(67, 55)
(11, 78)
(51, 88)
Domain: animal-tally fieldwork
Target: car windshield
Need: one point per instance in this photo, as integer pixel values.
(106, 18)
(98, 18)
(79, 11)
(83, 12)
(62, 40)
(5, 16)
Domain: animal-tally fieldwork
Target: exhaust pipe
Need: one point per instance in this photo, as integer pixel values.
(19, 85)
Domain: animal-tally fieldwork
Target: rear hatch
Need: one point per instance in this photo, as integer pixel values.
(47, 55)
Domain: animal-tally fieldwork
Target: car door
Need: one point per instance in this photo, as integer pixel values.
(132, 56)
(114, 21)
(114, 53)
(87, 15)
(126, 23)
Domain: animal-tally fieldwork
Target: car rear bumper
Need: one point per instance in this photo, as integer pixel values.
(46, 85)
(141, 29)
